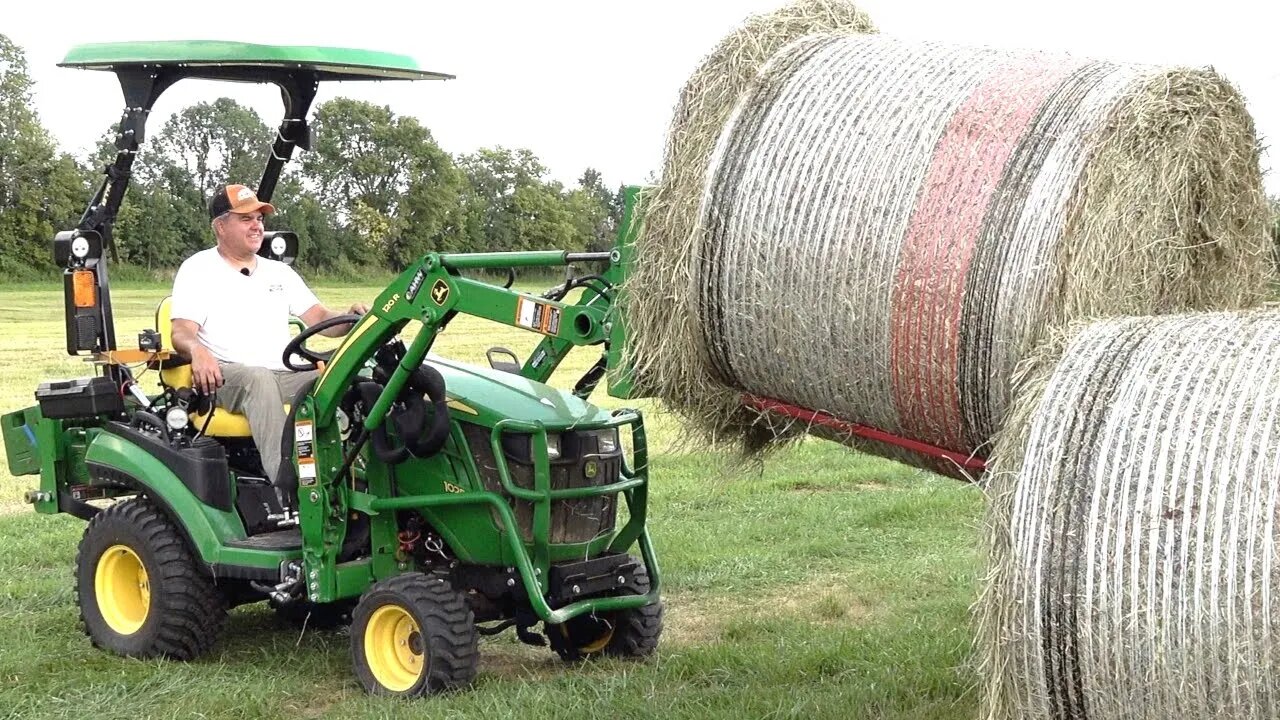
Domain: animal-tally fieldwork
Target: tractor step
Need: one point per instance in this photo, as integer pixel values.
(290, 539)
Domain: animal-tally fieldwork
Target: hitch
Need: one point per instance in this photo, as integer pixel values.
(288, 589)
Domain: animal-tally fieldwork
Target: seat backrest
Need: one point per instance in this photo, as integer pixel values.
(178, 376)
(224, 423)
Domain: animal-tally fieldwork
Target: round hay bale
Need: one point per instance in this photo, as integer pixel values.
(1131, 535)
(884, 229)
(658, 289)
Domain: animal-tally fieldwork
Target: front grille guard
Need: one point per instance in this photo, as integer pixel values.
(634, 487)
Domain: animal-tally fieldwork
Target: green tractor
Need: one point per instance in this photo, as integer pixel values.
(426, 502)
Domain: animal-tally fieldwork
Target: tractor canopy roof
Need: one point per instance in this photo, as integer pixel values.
(216, 59)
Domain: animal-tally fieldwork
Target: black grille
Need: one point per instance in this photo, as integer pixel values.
(572, 521)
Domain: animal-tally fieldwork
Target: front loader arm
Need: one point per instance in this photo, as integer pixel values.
(432, 292)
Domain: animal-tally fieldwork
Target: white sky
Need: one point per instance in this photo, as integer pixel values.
(593, 83)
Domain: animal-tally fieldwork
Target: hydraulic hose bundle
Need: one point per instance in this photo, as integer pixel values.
(422, 431)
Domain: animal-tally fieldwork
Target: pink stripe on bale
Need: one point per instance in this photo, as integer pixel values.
(963, 177)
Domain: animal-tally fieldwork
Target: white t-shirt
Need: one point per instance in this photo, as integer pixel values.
(242, 319)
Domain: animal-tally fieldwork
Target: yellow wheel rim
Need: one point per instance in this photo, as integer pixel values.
(598, 645)
(394, 647)
(123, 591)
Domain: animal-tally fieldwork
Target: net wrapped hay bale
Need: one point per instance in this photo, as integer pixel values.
(662, 276)
(1131, 534)
(881, 229)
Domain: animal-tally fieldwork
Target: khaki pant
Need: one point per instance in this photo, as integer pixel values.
(260, 394)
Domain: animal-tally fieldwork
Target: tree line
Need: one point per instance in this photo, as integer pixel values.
(375, 191)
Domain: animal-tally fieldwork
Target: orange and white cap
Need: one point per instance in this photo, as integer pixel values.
(237, 199)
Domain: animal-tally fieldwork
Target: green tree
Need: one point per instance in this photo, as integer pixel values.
(215, 143)
(432, 212)
(321, 242)
(386, 182)
(363, 152)
(543, 220)
(41, 190)
(596, 211)
(510, 207)
(162, 221)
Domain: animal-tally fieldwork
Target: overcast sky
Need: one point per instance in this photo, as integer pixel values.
(593, 83)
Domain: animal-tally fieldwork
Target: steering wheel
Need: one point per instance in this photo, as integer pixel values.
(297, 346)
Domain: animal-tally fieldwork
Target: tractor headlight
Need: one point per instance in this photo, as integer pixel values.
(608, 440)
(520, 447)
(176, 418)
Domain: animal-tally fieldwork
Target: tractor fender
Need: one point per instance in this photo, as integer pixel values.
(206, 528)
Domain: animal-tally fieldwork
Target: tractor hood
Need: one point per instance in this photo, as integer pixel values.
(485, 396)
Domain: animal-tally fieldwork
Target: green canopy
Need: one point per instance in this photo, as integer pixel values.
(327, 62)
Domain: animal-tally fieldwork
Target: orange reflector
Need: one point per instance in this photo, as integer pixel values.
(85, 290)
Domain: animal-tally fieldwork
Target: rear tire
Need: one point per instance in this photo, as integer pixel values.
(630, 633)
(413, 635)
(140, 591)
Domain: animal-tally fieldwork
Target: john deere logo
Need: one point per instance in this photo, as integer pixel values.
(440, 292)
(590, 469)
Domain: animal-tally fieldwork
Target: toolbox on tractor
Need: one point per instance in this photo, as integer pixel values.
(81, 397)
(424, 501)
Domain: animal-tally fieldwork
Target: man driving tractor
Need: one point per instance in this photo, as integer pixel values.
(231, 311)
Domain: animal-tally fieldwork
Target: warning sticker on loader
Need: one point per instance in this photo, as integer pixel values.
(537, 316)
(306, 471)
(302, 439)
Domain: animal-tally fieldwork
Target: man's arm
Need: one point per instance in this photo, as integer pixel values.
(319, 312)
(206, 374)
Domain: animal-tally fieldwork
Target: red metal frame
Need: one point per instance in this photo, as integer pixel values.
(816, 417)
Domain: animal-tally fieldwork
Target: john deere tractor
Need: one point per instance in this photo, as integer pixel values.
(426, 502)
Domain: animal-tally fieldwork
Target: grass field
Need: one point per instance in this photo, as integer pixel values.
(822, 584)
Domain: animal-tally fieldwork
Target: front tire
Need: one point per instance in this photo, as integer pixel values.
(413, 635)
(140, 591)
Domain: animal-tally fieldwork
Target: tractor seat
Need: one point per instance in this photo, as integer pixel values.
(225, 423)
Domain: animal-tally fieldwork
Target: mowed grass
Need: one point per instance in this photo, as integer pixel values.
(818, 584)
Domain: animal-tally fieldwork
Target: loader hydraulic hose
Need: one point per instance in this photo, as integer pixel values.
(420, 439)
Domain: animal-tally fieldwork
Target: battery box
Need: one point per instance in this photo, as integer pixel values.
(78, 398)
